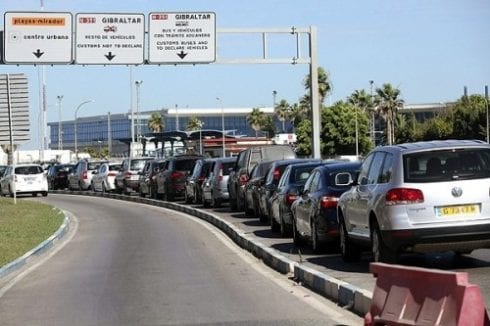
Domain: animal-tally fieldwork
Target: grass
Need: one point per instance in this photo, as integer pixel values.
(24, 226)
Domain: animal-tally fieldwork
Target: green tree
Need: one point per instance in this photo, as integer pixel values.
(324, 84)
(469, 118)
(256, 120)
(155, 122)
(388, 102)
(282, 111)
(338, 135)
(194, 124)
(303, 138)
(268, 126)
(298, 113)
(408, 130)
(438, 127)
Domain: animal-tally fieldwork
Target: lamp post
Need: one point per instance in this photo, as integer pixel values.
(486, 107)
(60, 129)
(201, 124)
(222, 125)
(76, 125)
(138, 122)
(373, 124)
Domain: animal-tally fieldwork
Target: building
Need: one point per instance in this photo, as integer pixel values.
(114, 130)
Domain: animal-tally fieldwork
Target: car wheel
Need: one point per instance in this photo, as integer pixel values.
(104, 189)
(233, 206)
(381, 252)
(297, 240)
(283, 229)
(45, 193)
(274, 225)
(92, 187)
(187, 198)
(315, 243)
(348, 250)
(34, 194)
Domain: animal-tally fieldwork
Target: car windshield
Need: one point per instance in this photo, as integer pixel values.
(28, 170)
(302, 174)
(447, 165)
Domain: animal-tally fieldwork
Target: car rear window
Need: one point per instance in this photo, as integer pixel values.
(137, 164)
(447, 165)
(184, 165)
(93, 165)
(301, 174)
(28, 170)
(226, 167)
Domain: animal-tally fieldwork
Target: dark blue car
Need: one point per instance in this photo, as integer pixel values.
(315, 211)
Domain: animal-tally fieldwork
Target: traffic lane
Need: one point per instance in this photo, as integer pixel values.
(137, 264)
(477, 264)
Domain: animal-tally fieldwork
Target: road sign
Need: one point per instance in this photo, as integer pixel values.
(14, 109)
(109, 38)
(182, 37)
(38, 37)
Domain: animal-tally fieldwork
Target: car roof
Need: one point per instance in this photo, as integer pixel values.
(339, 166)
(434, 144)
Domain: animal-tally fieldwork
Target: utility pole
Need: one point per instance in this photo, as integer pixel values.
(60, 129)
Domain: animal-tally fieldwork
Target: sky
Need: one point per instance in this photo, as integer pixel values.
(430, 50)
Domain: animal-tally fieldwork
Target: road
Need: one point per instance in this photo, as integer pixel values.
(132, 264)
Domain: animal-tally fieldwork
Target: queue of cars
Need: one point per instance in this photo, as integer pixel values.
(417, 197)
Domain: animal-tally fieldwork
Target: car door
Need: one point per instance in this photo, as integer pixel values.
(368, 181)
(305, 202)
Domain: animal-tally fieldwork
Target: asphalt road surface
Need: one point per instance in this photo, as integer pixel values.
(130, 264)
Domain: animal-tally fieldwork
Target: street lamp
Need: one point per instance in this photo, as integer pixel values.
(60, 129)
(138, 122)
(222, 125)
(486, 107)
(201, 124)
(76, 126)
(373, 123)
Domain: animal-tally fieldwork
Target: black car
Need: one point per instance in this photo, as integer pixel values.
(288, 189)
(58, 176)
(171, 179)
(315, 211)
(147, 178)
(256, 180)
(193, 184)
(270, 184)
(2, 169)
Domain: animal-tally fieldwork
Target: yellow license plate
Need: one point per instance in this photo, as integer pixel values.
(458, 210)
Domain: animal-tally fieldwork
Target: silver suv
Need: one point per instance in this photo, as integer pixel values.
(418, 197)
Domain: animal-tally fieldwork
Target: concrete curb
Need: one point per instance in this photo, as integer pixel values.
(39, 249)
(344, 294)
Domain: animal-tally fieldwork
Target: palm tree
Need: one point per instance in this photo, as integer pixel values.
(324, 84)
(361, 99)
(256, 120)
(194, 124)
(155, 122)
(282, 111)
(298, 113)
(388, 104)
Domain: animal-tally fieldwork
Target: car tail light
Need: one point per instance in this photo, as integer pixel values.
(290, 198)
(329, 201)
(220, 176)
(176, 175)
(111, 174)
(243, 179)
(200, 179)
(127, 175)
(276, 174)
(402, 196)
(84, 175)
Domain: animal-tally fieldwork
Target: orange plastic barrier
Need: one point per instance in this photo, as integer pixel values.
(420, 296)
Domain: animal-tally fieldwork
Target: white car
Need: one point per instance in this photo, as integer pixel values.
(24, 178)
(103, 179)
(418, 197)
